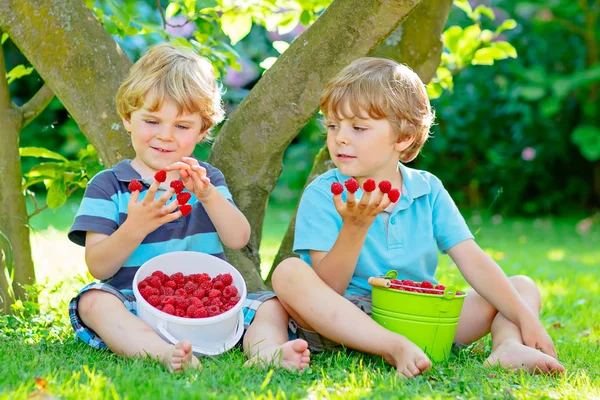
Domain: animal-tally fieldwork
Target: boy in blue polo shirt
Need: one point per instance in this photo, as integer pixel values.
(168, 103)
(378, 116)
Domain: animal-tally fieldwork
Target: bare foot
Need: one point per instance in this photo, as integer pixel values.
(180, 357)
(514, 355)
(292, 355)
(408, 358)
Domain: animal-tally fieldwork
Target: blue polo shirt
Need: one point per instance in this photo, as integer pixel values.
(104, 209)
(406, 239)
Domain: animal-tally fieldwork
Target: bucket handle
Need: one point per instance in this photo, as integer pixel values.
(196, 349)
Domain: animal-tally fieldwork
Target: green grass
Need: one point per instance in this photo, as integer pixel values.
(564, 264)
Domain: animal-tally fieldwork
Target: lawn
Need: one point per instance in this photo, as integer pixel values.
(564, 264)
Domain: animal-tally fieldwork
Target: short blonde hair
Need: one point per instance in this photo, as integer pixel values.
(177, 74)
(383, 89)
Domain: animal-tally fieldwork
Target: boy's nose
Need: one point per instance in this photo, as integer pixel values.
(165, 134)
(341, 137)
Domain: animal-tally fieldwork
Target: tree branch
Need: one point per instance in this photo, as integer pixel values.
(36, 105)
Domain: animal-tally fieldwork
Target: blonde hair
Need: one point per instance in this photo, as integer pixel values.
(177, 74)
(383, 89)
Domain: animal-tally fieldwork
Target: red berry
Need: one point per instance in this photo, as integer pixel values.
(216, 302)
(214, 293)
(369, 185)
(201, 312)
(207, 285)
(206, 300)
(182, 302)
(199, 293)
(459, 293)
(170, 283)
(204, 278)
(196, 301)
(169, 309)
(219, 285)
(161, 275)
(177, 185)
(153, 300)
(213, 310)
(394, 195)
(180, 292)
(154, 282)
(142, 285)
(167, 291)
(440, 287)
(191, 311)
(168, 300)
(408, 282)
(426, 285)
(185, 209)
(352, 185)
(190, 287)
(135, 185)
(180, 312)
(336, 188)
(178, 278)
(234, 300)
(230, 291)
(227, 279)
(385, 186)
(161, 176)
(183, 197)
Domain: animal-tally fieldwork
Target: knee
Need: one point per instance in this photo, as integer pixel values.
(90, 303)
(524, 284)
(286, 274)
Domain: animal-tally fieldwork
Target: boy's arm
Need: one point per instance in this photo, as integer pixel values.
(106, 254)
(490, 281)
(232, 226)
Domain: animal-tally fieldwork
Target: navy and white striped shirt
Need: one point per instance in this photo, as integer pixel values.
(104, 209)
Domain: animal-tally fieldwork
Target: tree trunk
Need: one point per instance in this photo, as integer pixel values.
(13, 215)
(79, 60)
(250, 146)
(417, 43)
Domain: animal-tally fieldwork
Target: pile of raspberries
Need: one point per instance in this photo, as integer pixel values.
(427, 287)
(182, 197)
(368, 186)
(190, 296)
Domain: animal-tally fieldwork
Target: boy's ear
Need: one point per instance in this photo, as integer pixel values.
(201, 136)
(127, 125)
(403, 143)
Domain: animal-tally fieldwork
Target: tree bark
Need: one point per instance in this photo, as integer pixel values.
(250, 146)
(13, 215)
(79, 60)
(417, 43)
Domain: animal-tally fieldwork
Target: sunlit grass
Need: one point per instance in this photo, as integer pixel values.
(563, 263)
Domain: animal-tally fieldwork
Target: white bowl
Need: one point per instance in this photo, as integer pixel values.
(209, 336)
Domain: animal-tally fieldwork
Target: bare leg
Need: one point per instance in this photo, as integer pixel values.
(127, 335)
(314, 305)
(479, 317)
(266, 341)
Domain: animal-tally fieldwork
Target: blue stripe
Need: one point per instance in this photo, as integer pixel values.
(202, 242)
(224, 191)
(98, 208)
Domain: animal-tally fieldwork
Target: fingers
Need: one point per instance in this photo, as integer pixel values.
(179, 165)
(135, 195)
(151, 193)
(338, 202)
(350, 200)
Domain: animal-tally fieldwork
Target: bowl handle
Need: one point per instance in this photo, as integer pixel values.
(196, 349)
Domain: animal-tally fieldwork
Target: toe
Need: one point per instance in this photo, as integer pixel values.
(300, 345)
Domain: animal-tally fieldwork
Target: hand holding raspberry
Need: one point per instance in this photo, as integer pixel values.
(149, 213)
(193, 176)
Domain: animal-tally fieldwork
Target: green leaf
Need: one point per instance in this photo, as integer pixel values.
(280, 46)
(202, 4)
(4, 37)
(550, 106)
(40, 152)
(565, 85)
(236, 25)
(466, 7)
(18, 72)
(305, 18)
(57, 194)
(172, 9)
(587, 138)
(507, 48)
(268, 62)
(47, 170)
(120, 12)
(434, 90)
(531, 93)
(507, 25)
(483, 10)
(451, 36)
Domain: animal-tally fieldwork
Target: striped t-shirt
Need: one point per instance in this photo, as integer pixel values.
(104, 209)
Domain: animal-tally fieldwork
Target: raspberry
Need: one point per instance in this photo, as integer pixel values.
(227, 279)
(154, 282)
(201, 312)
(146, 292)
(154, 300)
(183, 197)
(169, 309)
(180, 313)
(369, 185)
(196, 302)
(182, 302)
(161, 275)
(385, 186)
(213, 310)
(190, 287)
(168, 300)
(426, 285)
(142, 285)
(459, 293)
(135, 185)
(185, 209)
(214, 293)
(161, 176)
(170, 284)
(204, 278)
(191, 311)
(178, 278)
(180, 292)
(230, 291)
(352, 185)
(408, 282)
(336, 188)
(217, 278)
(234, 300)
(440, 287)
(167, 291)
(219, 285)
(227, 307)
(206, 285)
(199, 293)
(216, 302)
(205, 300)
(177, 185)
(394, 195)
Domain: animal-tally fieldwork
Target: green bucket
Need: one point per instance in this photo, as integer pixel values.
(427, 320)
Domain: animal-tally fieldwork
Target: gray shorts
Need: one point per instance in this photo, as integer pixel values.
(317, 342)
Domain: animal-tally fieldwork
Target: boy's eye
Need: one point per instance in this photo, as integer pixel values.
(183, 127)
(331, 126)
(151, 122)
(359, 128)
